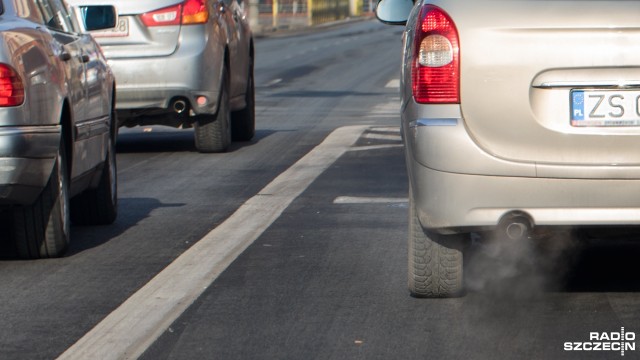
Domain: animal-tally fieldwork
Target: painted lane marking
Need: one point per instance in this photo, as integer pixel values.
(374, 136)
(375, 147)
(393, 84)
(130, 329)
(368, 200)
(273, 82)
(385, 110)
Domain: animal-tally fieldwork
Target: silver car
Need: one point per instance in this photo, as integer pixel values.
(183, 63)
(515, 115)
(57, 124)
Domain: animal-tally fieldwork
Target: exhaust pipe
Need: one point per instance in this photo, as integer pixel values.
(179, 106)
(515, 227)
(517, 231)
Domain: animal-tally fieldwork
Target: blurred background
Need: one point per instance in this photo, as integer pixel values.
(271, 15)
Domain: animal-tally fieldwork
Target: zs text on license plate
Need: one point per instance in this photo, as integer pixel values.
(605, 108)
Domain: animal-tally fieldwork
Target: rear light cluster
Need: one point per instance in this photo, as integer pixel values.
(11, 87)
(435, 70)
(186, 13)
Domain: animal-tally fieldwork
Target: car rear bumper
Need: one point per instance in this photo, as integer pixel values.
(459, 187)
(459, 202)
(27, 156)
(139, 98)
(153, 83)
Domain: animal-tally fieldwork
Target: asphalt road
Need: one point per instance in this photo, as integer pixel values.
(323, 276)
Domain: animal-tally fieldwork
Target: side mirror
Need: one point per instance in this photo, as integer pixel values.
(98, 17)
(394, 12)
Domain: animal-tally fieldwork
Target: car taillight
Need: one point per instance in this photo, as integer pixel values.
(195, 12)
(11, 87)
(189, 12)
(436, 58)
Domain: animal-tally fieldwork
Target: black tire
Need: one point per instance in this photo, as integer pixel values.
(435, 261)
(99, 206)
(213, 133)
(243, 122)
(41, 230)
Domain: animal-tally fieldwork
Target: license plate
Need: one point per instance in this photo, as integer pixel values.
(121, 30)
(605, 108)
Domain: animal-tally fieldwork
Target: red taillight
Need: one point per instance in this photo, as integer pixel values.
(11, 87)
(195, 12)
(436, 58)
(163, 17)
(189, 12)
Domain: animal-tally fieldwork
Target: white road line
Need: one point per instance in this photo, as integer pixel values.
(384, 116)
(385, 110)
(130, 329)
(373, 136)
(386, 129)
(394, 84)
(368, 200)
(273, 82)
(375, 147)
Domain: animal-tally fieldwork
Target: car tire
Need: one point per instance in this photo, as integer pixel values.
(99, 206)
(243, 122)
(213, 133)
(435, 261)
(41, 230)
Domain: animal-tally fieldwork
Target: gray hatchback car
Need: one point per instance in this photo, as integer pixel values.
(183, 63)
(515, 115)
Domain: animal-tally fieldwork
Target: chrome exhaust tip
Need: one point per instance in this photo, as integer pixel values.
(179, 106)
(515, 226)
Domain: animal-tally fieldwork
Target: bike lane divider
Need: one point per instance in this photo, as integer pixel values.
(131, 328)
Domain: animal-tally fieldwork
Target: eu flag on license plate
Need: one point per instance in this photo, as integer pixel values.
(577, 105)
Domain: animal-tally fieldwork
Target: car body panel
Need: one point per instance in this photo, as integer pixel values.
(505, 55)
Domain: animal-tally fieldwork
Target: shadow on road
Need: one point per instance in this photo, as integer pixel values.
(607, 262)
(164, 139)
(155, 139)
(602, 260)
(131, 211)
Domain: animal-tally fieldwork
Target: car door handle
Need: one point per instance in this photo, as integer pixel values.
(64, 56)
(85, 58)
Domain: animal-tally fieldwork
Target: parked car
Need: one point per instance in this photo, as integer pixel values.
(515, 115)
(183, 63)
(57, 124)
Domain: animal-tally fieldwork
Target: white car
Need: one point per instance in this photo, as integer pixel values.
(515, 115)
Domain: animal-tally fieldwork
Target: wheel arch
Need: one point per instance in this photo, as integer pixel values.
(251, 49)
(226, 64)
(67, 135)
(115, 124)
(224, 81)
